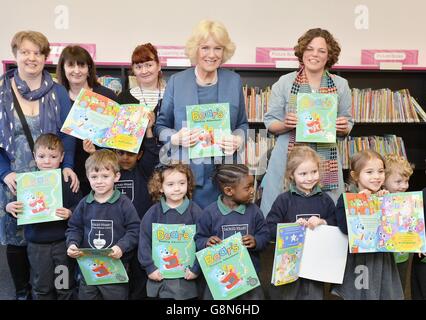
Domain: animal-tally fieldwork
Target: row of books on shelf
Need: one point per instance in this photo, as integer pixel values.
(256, 101)
(382, 144)
(385, 105)
(377, 106)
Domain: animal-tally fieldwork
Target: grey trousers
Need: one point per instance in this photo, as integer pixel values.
(116, 291)
(52, 271)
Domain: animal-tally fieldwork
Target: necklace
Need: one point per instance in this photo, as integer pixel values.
(144, 100)
(203, 83)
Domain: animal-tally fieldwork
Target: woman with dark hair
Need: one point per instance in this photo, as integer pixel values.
(75, 71)
(146, 68)
(317, 51)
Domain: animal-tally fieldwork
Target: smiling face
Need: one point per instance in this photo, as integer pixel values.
(29, 59)
(174, 187)
(371, 176)
(316, 55)
(76, 73)
(306, 176)
(146, 73)
(210, 55)
(102, 182)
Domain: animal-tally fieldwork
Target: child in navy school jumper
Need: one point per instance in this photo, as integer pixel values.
(135, 171)
(418, 269)
(104, 212)
(368, 276)
(46, 241)
(397, 175)
(234, 212)
(171, 186)
(305, 204)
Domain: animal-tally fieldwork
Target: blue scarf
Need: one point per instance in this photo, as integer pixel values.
(50, 121)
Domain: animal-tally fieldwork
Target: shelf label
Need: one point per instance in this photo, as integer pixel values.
(272, 55)
(172, 53)
(376, 57)
(57, 47)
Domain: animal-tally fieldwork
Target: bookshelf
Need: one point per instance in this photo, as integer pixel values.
(262, 76)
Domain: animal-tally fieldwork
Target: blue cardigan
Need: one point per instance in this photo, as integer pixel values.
(181, 91)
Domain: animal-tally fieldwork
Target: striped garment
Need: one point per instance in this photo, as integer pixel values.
(148, 97)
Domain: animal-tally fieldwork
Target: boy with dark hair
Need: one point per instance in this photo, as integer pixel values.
(46, 241)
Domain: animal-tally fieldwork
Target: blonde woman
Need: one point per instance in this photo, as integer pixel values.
(206, 82)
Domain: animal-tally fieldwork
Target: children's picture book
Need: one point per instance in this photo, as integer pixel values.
(214, 121)
(173, 248)
(318, 254)
(228, 268)
(106, 123)
(392, 223)
(41, 194)
(97, 268)
(316, 117)
(288, 251)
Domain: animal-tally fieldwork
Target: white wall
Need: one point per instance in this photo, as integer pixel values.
(118, 26)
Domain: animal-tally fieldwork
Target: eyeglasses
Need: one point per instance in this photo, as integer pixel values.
(27, 53)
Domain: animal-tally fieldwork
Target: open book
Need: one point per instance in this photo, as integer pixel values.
(318, 254)
(392, 223)
(106, 123)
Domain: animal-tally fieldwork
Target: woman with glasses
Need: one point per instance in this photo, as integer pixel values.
(206, 82)
(31, 103)
(150, 86)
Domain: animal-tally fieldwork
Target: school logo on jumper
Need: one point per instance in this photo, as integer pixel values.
(231, 229)
(101, 234)
(126, 187)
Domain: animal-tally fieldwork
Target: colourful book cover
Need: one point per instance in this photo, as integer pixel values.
(173, 248)
(288, 252)
(106, 123)
(316, 117)
(228, 268)
(392, 223)
(214, 121)
(41, 194)
(97, 268)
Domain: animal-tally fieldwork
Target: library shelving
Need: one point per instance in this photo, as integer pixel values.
(262, 76)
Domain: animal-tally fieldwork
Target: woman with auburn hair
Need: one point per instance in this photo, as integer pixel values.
(317, 51)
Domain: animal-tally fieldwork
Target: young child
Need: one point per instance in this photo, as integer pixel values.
(304, 203)
(46, 241)
(135, 171)
(104, 211)
(397, 174)
(368, 276)
(234, 207)
(418, 269)
(171, 186)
